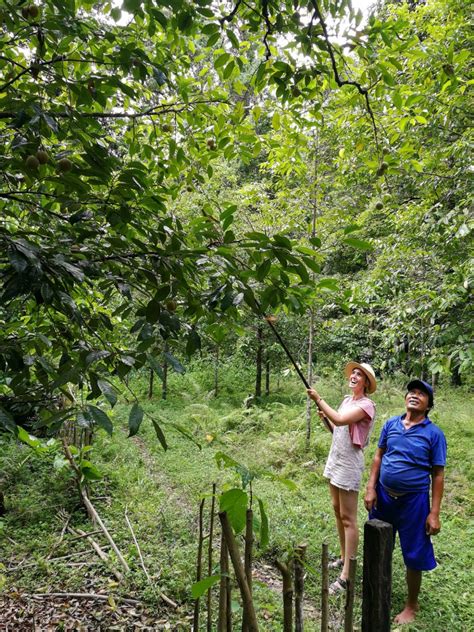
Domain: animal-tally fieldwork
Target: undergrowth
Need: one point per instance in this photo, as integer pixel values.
(160, 491)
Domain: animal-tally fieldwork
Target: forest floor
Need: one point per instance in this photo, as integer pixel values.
(51, 579)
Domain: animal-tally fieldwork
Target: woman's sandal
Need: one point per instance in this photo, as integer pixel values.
(336, 563)
(339, 586)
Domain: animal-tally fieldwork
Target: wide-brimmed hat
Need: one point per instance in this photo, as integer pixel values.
(367, 369)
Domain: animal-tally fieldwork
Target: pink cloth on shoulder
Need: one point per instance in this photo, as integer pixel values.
(360, 431)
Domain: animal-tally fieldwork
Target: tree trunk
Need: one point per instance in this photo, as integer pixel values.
(309, 401)
(216, 373)
(150, 384)
(287, 596)
(267, 377)
(164, 391)
(258, 360)
(300, 554)
(456, 377)
(249, 611)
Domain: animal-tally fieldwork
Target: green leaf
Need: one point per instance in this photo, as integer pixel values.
(156, 366)
(160, 435)
(263, 269)
(221, 60)
(108, 392)
(359, 244)
(101, 418)
(28, 439)
(7, 421)
(276, 123)
(329, 284)
(234, 503)
(199, 588)
(263, 525)
(135, 418)
(176, 364)
(90, 471)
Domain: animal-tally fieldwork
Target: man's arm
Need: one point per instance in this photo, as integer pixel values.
(370, 499)
(433, 525)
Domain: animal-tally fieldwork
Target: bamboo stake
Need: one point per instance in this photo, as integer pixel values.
(285, 571)
(198, 566)
(248, 555)
(249, 611)
(300, 554)
(349, 607)
(209, 558)
(224, 586)
(324, 587)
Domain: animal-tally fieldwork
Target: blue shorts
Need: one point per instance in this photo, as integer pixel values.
(407, 514)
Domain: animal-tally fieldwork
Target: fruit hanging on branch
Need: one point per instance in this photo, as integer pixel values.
(42, 156)
(32, 162)
(64, 165)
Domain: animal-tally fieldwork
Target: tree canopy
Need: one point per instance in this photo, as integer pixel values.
(161, 162)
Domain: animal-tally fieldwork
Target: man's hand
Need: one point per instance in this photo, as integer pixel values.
(370, 499)
(433, 525)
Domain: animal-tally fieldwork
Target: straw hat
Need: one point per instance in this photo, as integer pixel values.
(367, 369)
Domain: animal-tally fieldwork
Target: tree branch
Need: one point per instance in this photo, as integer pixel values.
(344, 82)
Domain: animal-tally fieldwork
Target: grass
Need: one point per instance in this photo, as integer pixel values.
(161, 492)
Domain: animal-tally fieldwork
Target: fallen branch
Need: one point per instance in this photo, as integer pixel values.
(61, 536)
(129, 524)
(91, 509)
(166, 599)
(98, 549)
(131, 602)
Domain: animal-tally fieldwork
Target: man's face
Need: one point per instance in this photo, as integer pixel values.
(417, 401)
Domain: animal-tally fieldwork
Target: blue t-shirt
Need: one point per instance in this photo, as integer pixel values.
(410, 454)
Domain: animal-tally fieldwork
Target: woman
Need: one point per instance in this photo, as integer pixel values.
(351, 425)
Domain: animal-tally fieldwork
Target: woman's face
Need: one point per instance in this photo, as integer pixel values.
(358, 380)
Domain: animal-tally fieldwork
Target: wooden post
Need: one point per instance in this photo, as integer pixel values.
(209, 558)
(249, 611)
(224, 587)
(198, 566)
(349, 607)
(248, 555)
(377, 577)
(324, 587)
(300, 554)
(285, 571)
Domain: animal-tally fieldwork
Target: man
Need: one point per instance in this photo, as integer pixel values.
(411, 451)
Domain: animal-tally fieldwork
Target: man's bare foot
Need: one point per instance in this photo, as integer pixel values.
(407, 615)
